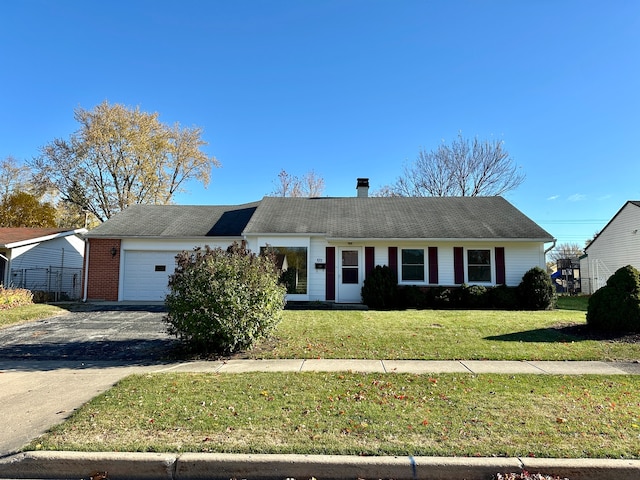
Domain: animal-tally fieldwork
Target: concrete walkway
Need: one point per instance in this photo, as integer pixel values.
(412, 366)
(36, 395)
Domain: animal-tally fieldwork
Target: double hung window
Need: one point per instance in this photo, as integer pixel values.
(479, 266)
(413, 265)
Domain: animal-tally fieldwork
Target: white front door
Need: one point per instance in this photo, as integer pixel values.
(349, 275)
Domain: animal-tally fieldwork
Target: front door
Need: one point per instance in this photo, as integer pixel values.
(349, 275)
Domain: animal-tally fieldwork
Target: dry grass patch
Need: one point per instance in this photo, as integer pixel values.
(27, 313)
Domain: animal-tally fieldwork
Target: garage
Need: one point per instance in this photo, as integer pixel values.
(146, 274)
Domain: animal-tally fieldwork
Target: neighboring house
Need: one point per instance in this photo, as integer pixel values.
(617, 245)
(42, 259)
(330, 244)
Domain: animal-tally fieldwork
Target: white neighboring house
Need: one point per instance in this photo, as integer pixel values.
(43, 259)
(617, 245)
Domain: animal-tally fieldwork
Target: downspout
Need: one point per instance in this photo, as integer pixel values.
(547, 251)
(550, 248)
(86, 271)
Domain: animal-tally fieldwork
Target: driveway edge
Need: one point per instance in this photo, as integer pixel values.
(196, 466)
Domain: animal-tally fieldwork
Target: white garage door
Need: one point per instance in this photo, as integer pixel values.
(146, 274)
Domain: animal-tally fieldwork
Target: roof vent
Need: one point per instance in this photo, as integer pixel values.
(363, 187)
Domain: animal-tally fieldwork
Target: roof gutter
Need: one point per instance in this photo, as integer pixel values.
(22, 243)
(439, 240)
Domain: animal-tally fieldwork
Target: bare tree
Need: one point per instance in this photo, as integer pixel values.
(287, 185)
(14, 177)
(565, 251)
(464, 168)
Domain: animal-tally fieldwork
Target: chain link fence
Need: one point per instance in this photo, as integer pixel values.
(49, 284)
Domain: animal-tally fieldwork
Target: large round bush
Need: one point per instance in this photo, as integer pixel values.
(535, 292)
(222, 301)
(616, 306)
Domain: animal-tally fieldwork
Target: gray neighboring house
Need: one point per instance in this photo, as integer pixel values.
(617, 245)
(43, 259)
(329, 244)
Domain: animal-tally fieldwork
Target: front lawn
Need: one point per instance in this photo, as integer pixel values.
(361, 414)
(442, 335)
(381, 414)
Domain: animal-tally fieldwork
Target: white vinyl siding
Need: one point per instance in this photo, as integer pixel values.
(65, 251)
(617, 245)
(53, 265)
(317, 277)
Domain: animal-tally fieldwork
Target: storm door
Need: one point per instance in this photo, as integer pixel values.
(349, 275)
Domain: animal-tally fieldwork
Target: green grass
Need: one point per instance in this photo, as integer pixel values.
(362, 414)
(578, 302)
(585, 416)
(27, 313)
(439, 335)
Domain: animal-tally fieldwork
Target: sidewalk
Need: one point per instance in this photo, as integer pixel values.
(38, 394)
(413, 366)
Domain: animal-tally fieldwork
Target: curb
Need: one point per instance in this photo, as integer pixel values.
(201, 466)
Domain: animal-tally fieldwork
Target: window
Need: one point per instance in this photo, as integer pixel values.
(349, 266)
(161, 268)
(292, 263)
(479, 265)
(412, 265)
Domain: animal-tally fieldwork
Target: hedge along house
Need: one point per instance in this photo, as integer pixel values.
(329, 245)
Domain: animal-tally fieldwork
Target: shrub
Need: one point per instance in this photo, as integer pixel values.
(14, 297)
(223, 301)
(502, 297)
(616, 306)
(412, 296)
(535, 292)
(288, 279)
(472, 296)
(380, 288)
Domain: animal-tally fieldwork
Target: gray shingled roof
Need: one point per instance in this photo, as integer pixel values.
(348, 217)
(177, 221)
(396, 217)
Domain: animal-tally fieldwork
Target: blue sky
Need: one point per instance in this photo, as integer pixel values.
(349, 88)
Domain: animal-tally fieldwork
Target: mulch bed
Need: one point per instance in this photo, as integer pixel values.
(583, 332)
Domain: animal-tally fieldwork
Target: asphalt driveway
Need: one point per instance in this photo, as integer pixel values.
(50, 367)
(117, 333)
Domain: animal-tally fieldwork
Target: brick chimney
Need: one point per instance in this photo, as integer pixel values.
(363, 187)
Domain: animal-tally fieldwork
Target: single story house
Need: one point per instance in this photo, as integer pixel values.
(330, 244)
(617, 245)
(43, 259)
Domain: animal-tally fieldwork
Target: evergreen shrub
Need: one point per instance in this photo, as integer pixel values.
(535, 291)
(222, 301)
(502, 297)
(615, 308)
(380, 288)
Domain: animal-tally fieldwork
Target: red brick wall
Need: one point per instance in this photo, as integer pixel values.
(104, 269)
